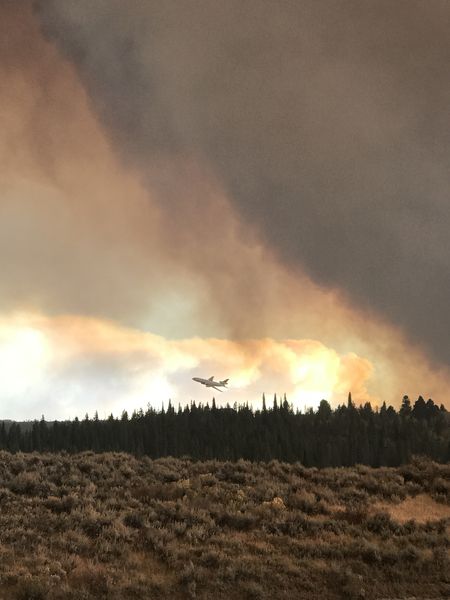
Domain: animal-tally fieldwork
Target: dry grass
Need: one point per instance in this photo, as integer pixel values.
(421, 508)
(115, 527)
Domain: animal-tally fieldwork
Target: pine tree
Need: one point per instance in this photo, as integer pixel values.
(405, 409)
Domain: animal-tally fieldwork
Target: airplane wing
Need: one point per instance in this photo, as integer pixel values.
(211, 378)
(216, 388)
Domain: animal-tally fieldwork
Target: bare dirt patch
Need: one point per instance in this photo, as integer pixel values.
(421, 508)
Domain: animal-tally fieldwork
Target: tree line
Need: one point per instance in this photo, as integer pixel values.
(344, 436)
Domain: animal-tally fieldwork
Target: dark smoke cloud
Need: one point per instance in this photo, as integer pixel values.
(327, 122)
(80, 234)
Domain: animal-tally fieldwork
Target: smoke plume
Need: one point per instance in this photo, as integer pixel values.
(325, 122)
(171, 204)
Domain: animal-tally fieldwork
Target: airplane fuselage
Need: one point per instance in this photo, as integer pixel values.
(211, 383)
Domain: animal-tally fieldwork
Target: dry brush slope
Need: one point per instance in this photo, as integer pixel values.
(112, 526)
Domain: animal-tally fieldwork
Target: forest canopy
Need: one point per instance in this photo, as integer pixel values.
(345, 436)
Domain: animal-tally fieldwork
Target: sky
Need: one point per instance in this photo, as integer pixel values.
(256, 191)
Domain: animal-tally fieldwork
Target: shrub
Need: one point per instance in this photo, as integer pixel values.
(369, 552)
(354, 516)
(410, 554)
(211, 558)
(302, 500)
(31, 589)
(238, 521)
(379, 523)
(90, 577)
(60, 505)
(352, 586)
(93, 526)
(440, 486)
(82, 526)
(253, 590)
(134, 520)
(440, 558)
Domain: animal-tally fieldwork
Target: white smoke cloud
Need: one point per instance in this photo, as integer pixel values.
(69, 365)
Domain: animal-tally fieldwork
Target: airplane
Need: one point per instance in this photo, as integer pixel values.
(211, 383)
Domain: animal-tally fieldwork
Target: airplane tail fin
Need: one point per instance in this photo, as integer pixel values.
(224, 381)
(211, 378)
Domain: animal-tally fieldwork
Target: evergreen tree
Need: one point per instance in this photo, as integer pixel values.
(344, 436)
(405, 409)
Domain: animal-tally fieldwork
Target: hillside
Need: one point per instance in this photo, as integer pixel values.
(112, 526)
